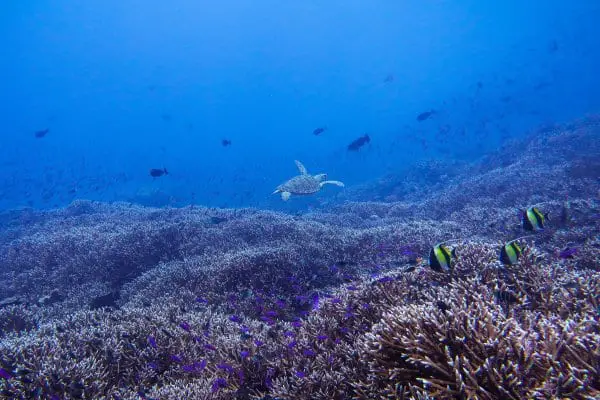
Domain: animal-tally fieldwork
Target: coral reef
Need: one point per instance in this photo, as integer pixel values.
(117, 301)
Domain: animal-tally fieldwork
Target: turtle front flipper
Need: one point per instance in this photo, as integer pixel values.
(301, 168)
(285, 196)
(320, 177)
(336, 183)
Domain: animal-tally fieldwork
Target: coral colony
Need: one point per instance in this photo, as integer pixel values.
(124, 302)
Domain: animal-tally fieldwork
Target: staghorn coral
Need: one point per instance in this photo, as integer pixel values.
(225, 304)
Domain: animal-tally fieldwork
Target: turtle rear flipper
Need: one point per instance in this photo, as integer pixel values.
(301, 168)
(336, 183)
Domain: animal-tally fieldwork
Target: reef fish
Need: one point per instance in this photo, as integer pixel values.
(440, 258)
(226, 142)
(425, 115)
(510, 253)
(358, 143)
(533, 219)
(318, 131)
(157, 172)
(42, 133)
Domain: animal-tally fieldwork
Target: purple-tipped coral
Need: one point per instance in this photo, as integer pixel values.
(124, 302)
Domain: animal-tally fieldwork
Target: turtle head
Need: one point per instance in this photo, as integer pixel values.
(320, 177)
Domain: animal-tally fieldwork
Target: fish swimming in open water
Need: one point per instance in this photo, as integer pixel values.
(42, 133)
(358, 143)
(425, 115)
(318, 131)
(157, 172)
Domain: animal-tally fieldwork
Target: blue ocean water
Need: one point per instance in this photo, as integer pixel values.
(127, 86)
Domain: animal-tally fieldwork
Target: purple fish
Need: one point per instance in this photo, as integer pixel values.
(225, 367)
(153, 365)
(300, 374)
(152, 342)
(258, 343)
(271, 313)
(297, 323)
(201, 300)
(292, 344)
(185, 326)
(336, 300)
(309, 353)
(268, 379)
(315, 301)
(176, 358)
(218, 384)
(209, 346)
(289, 334)
(195, 367)
(244, 354)
(351, 287)
(568, 252)
(235, 318)
(322, 337)
(280, 303)
(5, 374)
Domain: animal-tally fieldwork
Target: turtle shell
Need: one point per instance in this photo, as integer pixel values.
(301, 184)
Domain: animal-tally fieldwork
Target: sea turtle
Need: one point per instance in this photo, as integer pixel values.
(304, 183)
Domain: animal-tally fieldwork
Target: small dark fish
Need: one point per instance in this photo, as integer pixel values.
(505, 296)
(318, 131)
(358, 143)
(217, 220)
(425, 115)
(443, 307)
(389, 78)
(156, 172)
(42, 133)
(553, 47)
(225, 142)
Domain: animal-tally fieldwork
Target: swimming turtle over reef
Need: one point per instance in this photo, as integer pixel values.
(304, 183)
